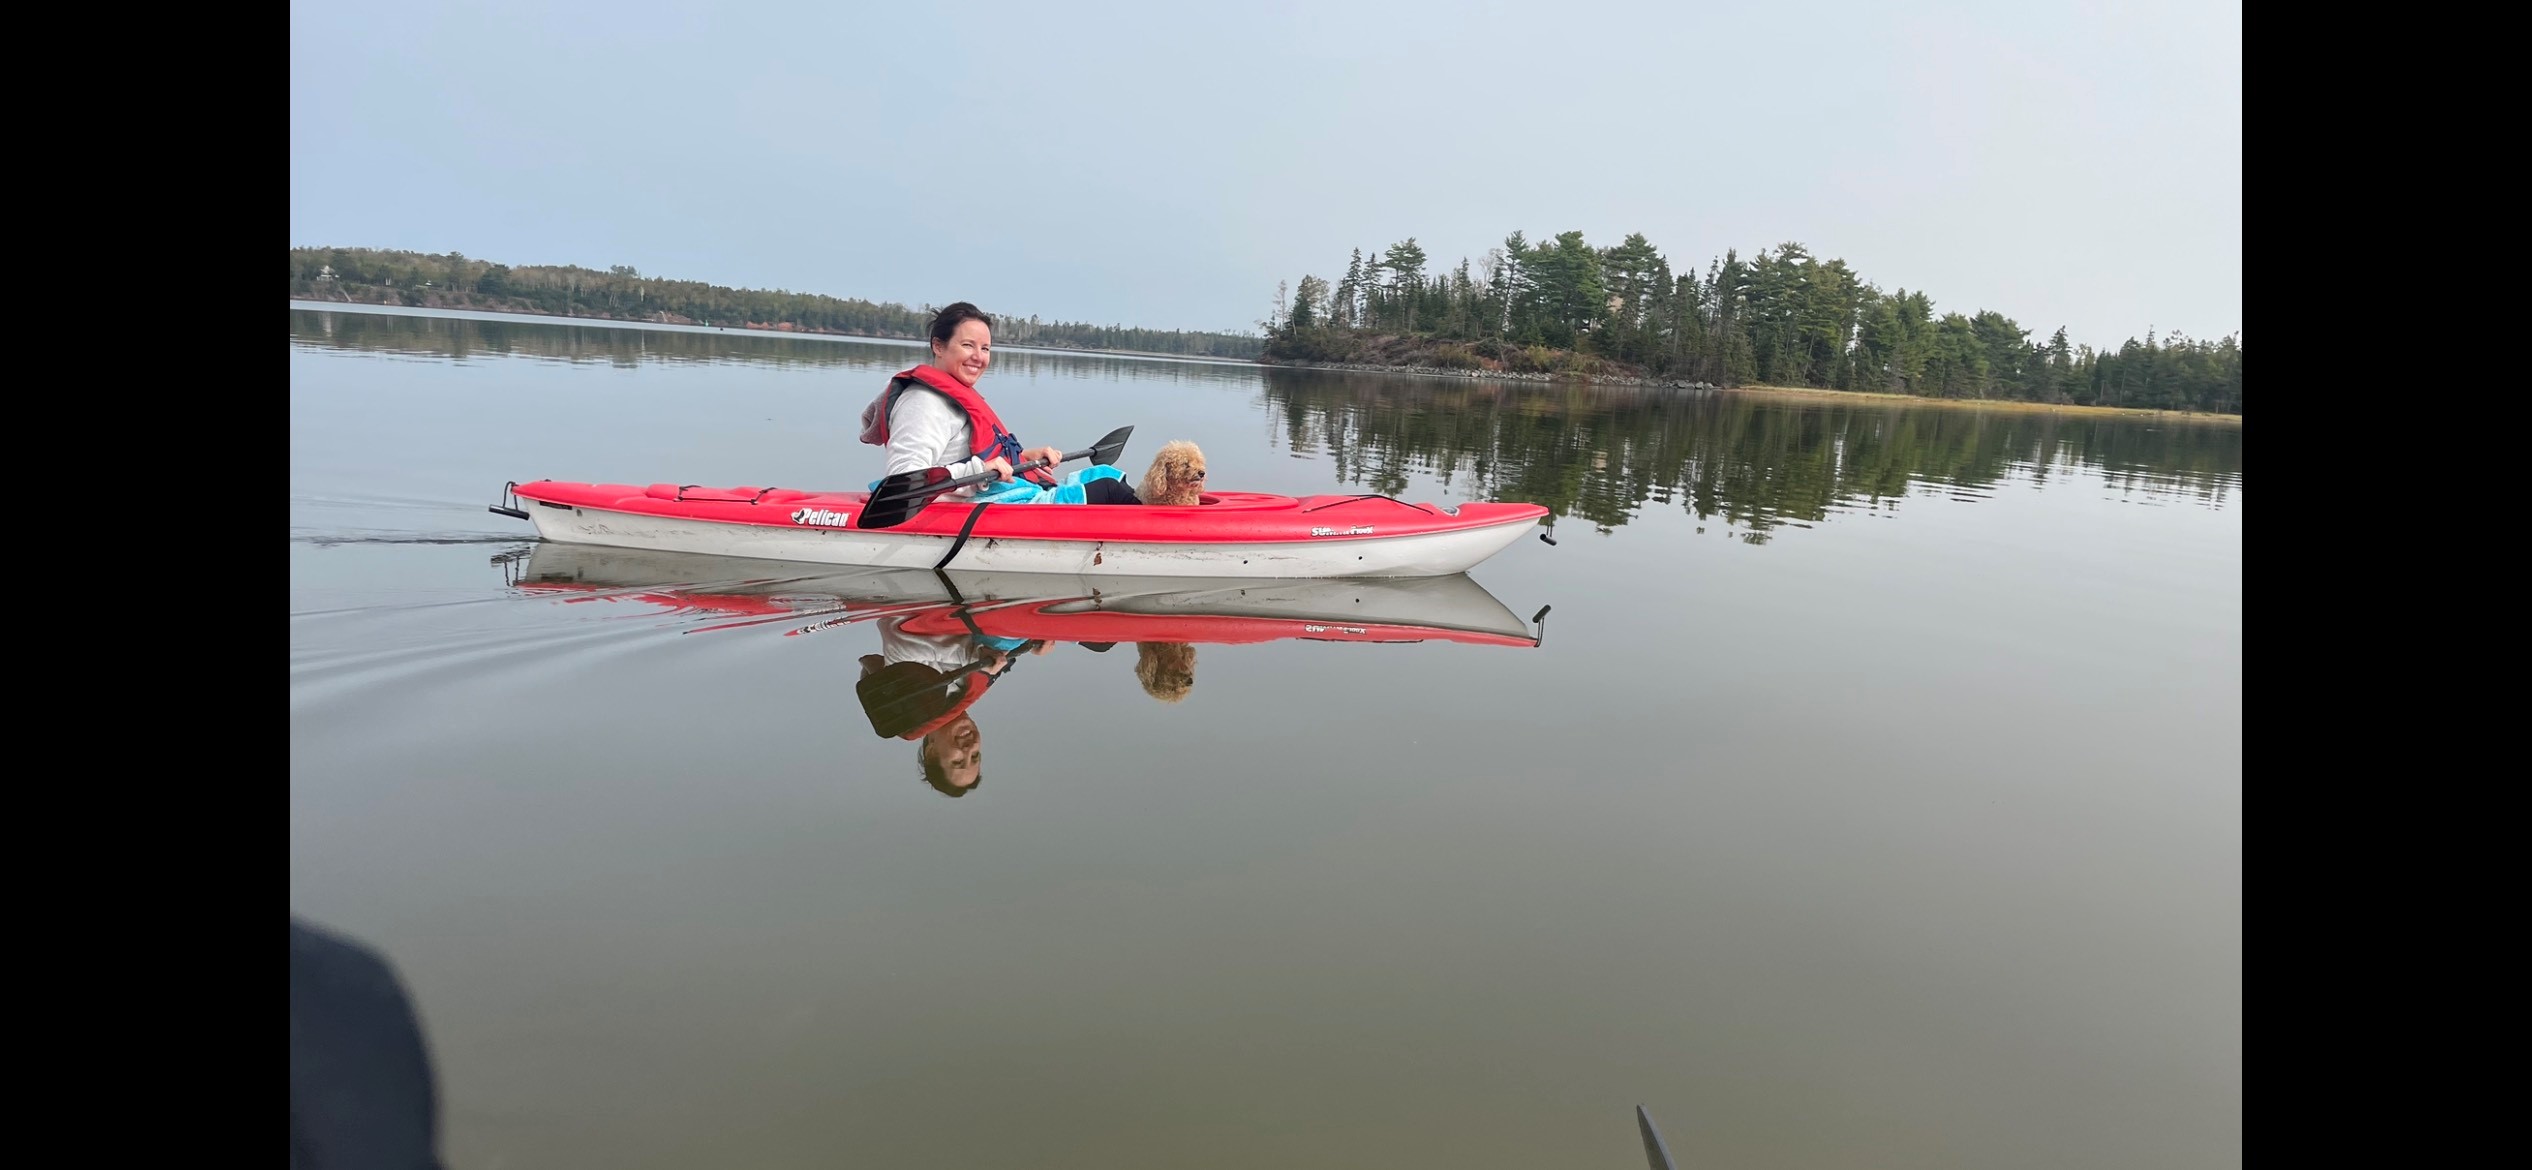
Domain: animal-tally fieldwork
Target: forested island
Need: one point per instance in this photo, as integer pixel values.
(1782, 318)
(1556, 309)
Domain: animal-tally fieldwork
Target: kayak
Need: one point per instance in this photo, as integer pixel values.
(1108, 608)
(1230, 534)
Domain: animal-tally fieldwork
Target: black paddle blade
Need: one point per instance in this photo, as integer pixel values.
(1104, 453)
(912, 481)
(902, 696)
(899, 497)
(888, 513)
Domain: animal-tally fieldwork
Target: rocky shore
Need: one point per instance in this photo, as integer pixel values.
(1498, 375)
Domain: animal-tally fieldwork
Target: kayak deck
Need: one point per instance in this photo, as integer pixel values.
(1246, 534)
(1222, 515)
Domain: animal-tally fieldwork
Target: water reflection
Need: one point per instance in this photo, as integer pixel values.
(1891, 798)
(945, 639)
(628, 344)
(1603, 453)
(1750, 464)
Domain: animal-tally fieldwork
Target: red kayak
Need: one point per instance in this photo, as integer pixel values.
(1230, 534)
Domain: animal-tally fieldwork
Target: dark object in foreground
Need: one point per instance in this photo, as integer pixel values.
(361, 1090)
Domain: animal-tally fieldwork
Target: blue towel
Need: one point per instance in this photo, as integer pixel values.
(1072, 490)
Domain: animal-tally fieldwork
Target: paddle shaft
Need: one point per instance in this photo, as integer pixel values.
(892, 504)
(951, 485)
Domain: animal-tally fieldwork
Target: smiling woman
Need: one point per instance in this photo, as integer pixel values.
(955, 430)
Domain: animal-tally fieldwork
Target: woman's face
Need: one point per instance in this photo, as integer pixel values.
(958, 747)
(966, 354)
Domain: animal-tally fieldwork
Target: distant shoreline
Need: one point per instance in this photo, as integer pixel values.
(458, 313)
(2015, 405)
(1608, 380)
(1794, 392)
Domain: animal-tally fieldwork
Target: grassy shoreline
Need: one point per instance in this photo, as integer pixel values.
(1989, 404)
(1429, 357)
(1789, 393)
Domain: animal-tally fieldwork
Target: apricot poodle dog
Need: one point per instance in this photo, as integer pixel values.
(1176, 476)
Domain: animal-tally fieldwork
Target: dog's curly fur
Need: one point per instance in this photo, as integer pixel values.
(1176, 475)
(1167, 670)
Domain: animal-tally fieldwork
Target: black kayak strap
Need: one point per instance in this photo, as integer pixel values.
(958, 603)
(973, 514)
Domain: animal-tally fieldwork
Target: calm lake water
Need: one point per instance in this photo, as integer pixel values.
(1870, 796)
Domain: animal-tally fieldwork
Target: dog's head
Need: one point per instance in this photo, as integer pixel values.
(1183, 463)
(1177, 474)
(1167, 670)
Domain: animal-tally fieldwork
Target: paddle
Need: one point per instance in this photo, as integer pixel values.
(900, 496)
(890, 706)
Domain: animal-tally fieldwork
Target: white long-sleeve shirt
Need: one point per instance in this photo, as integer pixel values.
(941, 652)
(929, 430)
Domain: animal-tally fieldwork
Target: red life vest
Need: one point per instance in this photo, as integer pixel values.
(983, 425)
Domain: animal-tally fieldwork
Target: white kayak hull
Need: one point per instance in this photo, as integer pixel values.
(1430, 554)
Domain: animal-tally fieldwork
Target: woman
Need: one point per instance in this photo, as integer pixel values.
(932, 416)
(919, 688)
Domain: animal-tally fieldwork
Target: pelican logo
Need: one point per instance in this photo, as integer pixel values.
(1357, 530)
(827, 517)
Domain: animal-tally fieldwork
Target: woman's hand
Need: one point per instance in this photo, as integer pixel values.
(999, 466)
(1052, 455)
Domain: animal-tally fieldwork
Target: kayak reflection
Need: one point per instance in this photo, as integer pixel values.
(1028, 606)
(945, 638)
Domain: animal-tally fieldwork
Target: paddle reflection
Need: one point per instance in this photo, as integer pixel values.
(944, 639)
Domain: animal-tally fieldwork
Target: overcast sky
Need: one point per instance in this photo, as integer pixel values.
(1164, 164)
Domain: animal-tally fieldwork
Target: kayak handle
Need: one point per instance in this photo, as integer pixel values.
(509, 500)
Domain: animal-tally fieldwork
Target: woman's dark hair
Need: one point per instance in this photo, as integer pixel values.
(933, 773)
(946, 321)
